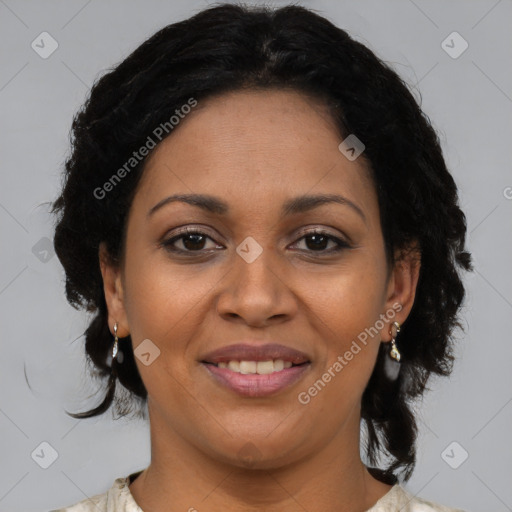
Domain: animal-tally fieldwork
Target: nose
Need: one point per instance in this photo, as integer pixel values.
(256, 293)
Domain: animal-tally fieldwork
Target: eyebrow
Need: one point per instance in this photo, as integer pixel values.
(293, 206)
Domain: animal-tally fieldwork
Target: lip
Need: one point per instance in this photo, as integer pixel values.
(255, 385)
(253, 352)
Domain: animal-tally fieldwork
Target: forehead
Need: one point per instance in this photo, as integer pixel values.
(255, 145)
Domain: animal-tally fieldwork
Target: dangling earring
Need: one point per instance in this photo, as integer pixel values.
(393, 331)
(392, 363)
(116, 341)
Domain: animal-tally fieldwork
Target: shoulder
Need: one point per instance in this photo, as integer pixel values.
(117, 499)
(399, 499)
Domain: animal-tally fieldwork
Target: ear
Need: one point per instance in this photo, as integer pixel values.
(114, 293)
(401, 289)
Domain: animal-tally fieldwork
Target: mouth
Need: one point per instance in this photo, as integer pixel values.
(256, 379)
(252, 370)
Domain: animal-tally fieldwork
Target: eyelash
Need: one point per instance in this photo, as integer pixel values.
(168, 244)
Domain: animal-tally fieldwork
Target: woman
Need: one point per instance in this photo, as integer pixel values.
(261, 217)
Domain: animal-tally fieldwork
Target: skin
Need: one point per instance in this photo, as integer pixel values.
(254, 150)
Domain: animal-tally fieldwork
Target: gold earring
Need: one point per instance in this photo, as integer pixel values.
(393, 331)
(116, 341)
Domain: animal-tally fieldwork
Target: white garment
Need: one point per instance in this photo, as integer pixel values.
(119, 499)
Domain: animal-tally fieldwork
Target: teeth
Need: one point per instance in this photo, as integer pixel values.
(248, 366)
(259, 367)
(264, 367)
(234, 366)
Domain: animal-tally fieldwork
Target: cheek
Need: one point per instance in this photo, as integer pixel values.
(346, 309)
(163, 298)
(351, 298)
(167, 306)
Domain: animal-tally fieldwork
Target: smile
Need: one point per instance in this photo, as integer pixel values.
(256, 378)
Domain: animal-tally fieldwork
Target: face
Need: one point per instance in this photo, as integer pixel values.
(312, 277)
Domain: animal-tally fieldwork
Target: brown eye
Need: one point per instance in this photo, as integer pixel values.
(317, 241)
(191, 241)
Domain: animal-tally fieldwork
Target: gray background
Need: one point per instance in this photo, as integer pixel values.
(469, 101)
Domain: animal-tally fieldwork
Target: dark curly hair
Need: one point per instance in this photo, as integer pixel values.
(231, 47)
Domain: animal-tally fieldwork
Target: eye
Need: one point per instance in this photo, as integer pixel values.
(317, 241)
(192, 240)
